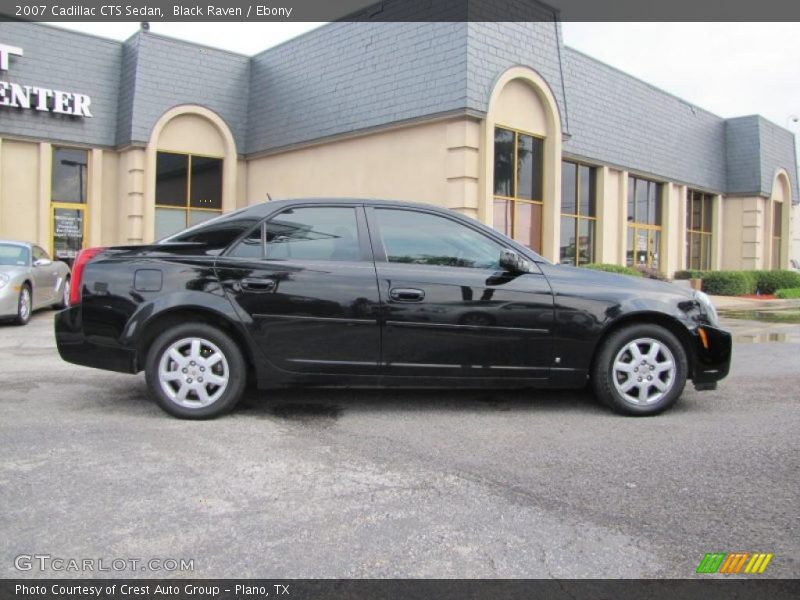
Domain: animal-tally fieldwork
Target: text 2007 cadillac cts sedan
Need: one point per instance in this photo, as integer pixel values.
(371, 293)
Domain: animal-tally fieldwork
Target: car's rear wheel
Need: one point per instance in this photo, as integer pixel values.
(195, 371)
(64, 302)
(24, 305)
(640, 370)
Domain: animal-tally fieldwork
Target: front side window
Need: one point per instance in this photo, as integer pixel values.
(644, 223)
(419, 238)
(699, 222)
(313, 233)
(188, 191)
(518, 186)
(578, 213)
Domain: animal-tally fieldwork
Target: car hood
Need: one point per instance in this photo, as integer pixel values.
(627, 283)
(12, 270)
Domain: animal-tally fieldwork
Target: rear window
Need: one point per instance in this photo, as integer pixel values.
(12, 255)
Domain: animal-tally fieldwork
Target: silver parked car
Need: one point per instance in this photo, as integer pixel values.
(30, 280)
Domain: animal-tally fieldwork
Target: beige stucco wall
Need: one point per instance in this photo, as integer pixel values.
(402, 164)
(743, 242)
(19, 190)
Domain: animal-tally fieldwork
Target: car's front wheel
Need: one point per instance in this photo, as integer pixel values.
(195, 371)
(640, 370)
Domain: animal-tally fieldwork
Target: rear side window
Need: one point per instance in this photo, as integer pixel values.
(314, 233)
(425, 239)
(251, 246)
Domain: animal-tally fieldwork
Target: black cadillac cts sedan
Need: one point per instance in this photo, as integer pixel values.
(378, 294)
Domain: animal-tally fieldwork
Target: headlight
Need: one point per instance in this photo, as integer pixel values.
(3, 281)
(707, 307)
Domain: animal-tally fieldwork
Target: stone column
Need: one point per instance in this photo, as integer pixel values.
(44, 224)
(462, 169)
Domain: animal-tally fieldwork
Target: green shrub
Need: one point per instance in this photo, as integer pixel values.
(608, 268)
(690, 274)
(728, 283)
(767, 282)
(788, 293)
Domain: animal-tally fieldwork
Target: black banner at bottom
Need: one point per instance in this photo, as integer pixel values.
(391, 589)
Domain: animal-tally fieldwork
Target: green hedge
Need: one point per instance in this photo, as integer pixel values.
(788, 293)
(608, 268)
(727, 283)
(739, 283)
(771, 281)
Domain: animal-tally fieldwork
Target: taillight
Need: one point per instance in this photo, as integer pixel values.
(84, 256)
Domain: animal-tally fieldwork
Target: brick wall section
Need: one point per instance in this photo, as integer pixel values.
(171, 72)
(620, 120)
(72, 62)
(344, 77)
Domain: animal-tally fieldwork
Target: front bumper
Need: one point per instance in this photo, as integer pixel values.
(74, 347)
(712, 356)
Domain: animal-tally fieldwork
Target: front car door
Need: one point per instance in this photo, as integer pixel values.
(44, 277)
(304, 282)
(448, 310)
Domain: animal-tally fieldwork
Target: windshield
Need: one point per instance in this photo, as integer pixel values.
(13, 255)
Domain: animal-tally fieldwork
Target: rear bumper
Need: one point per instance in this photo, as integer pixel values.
(75, 348)
(712, 360)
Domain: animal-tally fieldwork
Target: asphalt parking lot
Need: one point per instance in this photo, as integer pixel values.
(360, 483)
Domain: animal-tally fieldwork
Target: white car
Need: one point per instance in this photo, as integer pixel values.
(30, 280)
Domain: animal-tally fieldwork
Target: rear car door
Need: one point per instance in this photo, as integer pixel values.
(448, 310)
(304, 283)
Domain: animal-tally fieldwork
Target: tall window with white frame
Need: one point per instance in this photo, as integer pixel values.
(188, 191)
(578, 213)
(777, 233)
(644, 223)
(68, 200)
(518, 186)
(699, 230)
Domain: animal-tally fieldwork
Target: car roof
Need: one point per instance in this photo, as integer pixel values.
(17, 243)
(268, 206)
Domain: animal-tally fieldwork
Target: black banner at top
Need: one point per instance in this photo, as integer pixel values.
(399, 10)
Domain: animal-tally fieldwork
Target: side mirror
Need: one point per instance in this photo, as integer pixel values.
(42, 262)
(512, 262)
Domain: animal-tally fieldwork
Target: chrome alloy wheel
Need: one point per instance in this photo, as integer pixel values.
(193, 372)
(65, 293)
(24, 303)
(644, 371)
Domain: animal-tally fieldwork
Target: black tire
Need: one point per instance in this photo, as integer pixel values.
(24, 317)
(620, 343)
(64, 296)
(233, 361)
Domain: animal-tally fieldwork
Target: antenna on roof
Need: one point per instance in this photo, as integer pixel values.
(269, 197)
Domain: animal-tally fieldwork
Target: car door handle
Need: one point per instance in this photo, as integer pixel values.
(406, 294)
(257, 284)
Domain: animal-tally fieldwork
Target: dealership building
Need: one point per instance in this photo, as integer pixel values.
(105, 142)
